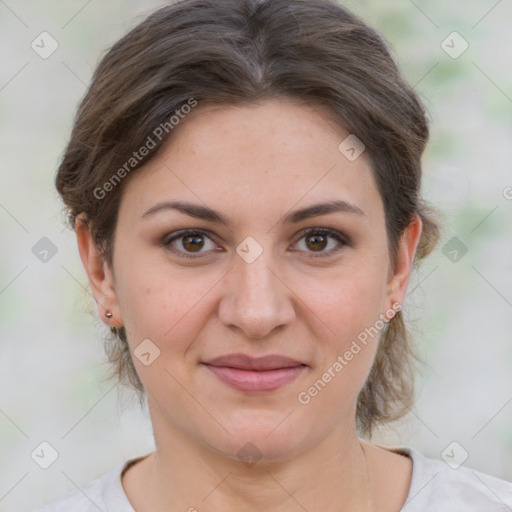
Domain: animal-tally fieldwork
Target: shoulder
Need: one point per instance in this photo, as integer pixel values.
(104, 493)
(437, 486)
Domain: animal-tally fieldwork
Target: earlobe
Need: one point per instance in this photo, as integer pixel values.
(100, 275)
(408, 245)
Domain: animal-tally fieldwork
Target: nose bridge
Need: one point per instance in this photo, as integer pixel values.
(255, 279)
(257, 301)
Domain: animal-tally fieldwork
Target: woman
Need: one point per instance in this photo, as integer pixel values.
(243, 177)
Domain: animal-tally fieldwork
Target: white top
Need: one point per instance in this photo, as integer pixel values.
(435, 487)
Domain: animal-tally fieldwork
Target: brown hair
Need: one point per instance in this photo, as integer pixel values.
(243, 52)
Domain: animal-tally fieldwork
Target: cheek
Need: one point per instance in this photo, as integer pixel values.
(350, 308)
(168, 313)
(347, 301)
(158, 306)
(165, 305)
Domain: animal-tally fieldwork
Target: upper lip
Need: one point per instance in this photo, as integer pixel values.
(245, 362)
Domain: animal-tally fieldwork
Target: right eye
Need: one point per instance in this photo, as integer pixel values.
(190, 240)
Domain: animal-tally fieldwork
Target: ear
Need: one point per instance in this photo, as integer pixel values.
(400, 275)
(101, 278)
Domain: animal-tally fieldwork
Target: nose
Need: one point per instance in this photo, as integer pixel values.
(256, 298)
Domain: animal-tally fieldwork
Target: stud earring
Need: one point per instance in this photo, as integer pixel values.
(108, 314)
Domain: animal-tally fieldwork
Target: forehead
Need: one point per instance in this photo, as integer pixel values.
(265, 157)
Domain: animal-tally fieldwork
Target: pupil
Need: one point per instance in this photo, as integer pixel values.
(316, 237)
(194, 245)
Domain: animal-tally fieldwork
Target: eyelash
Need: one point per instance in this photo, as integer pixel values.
(312, 231)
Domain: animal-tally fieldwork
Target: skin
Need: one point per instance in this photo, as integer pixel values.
(254, 164)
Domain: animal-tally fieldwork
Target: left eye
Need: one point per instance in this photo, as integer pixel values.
(316, 239)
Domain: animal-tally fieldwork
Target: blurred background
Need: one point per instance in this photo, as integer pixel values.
(53, 385)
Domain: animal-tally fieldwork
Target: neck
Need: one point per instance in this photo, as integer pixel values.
(183, 475)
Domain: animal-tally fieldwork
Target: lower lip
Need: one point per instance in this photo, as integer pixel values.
(256, 381)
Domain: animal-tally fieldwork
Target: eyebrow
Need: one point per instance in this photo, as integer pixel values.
(206, 213)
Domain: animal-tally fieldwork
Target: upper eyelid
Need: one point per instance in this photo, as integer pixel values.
(184, 232)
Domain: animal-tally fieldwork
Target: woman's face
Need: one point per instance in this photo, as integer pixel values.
(265, 282)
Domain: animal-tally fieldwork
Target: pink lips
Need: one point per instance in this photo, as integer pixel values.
(255, 374)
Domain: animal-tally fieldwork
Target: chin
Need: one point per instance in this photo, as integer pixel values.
(262, 437)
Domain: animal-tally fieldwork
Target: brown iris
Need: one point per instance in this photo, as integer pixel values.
(316, 244)
(193, 243)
